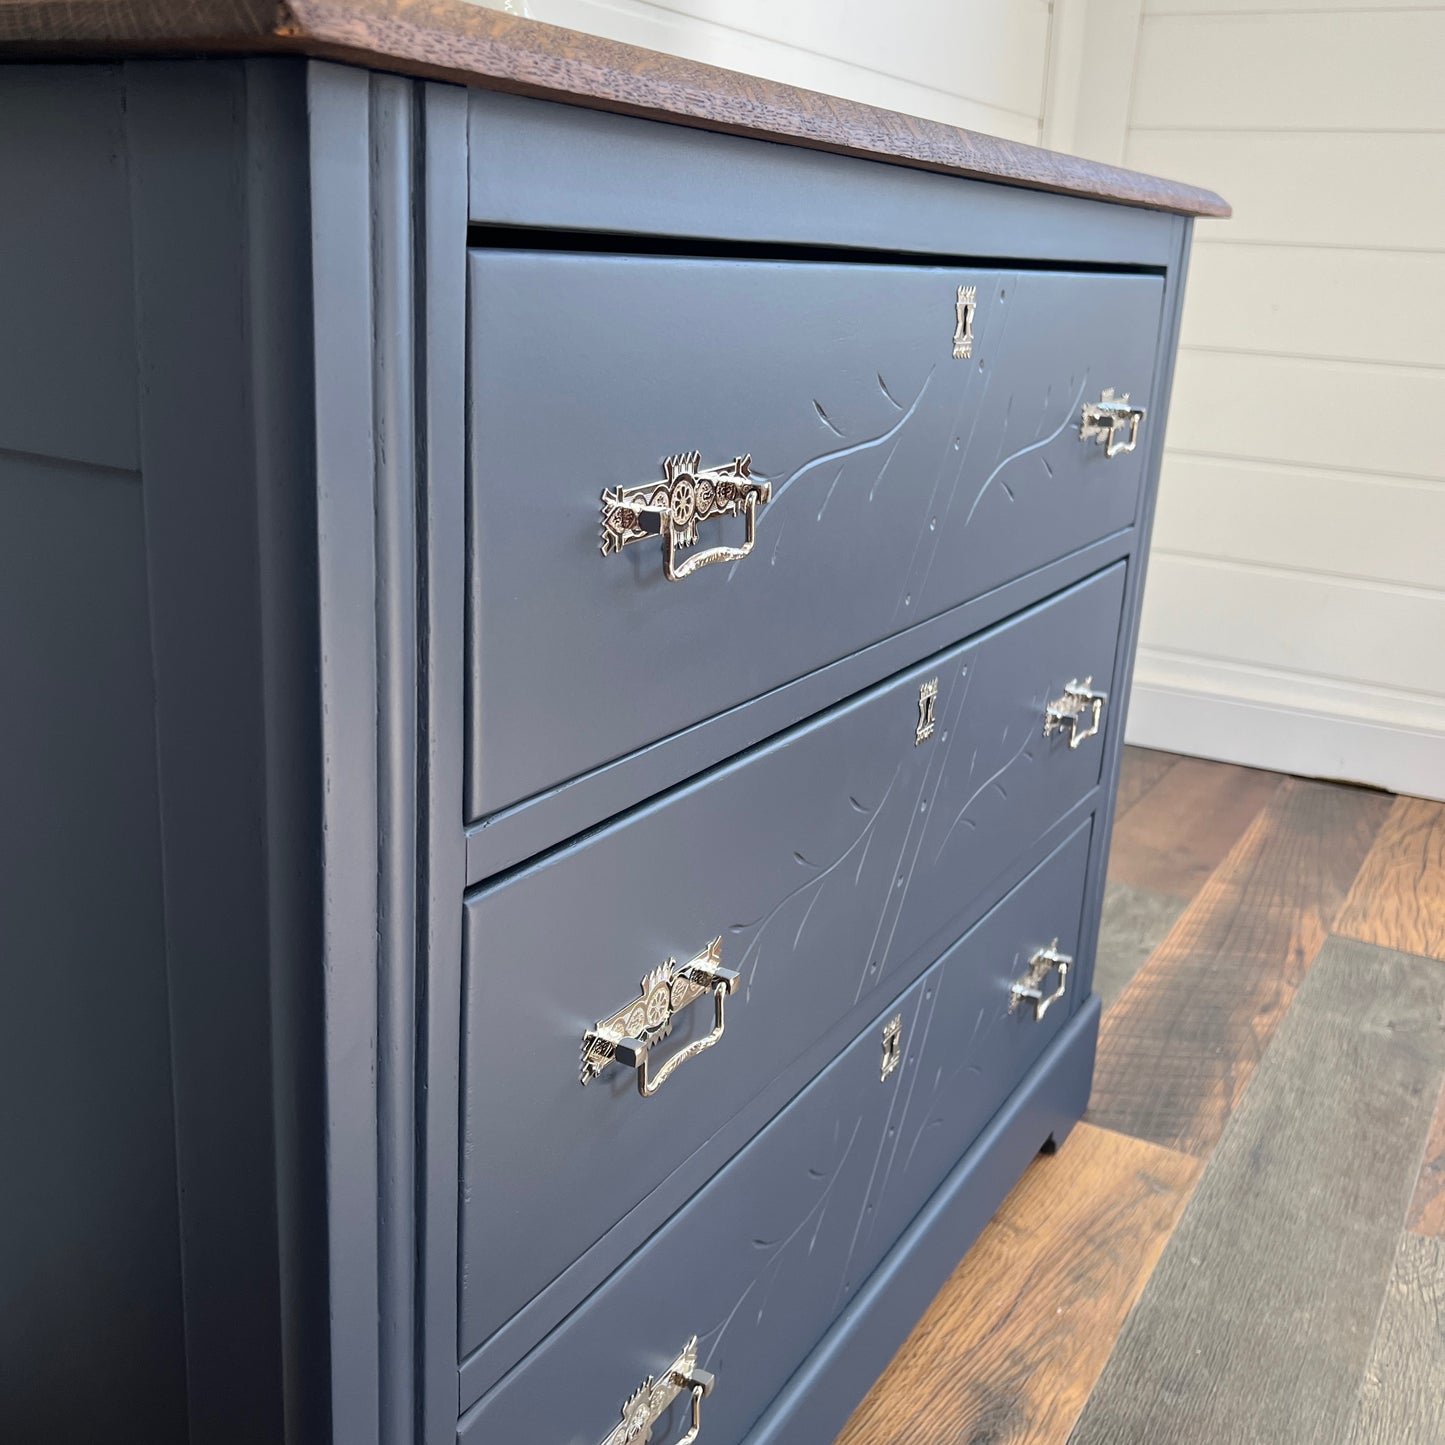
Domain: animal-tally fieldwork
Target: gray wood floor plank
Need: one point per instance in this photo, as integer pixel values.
(1180, 1045)
(1402, 1399)
(1135, 921)
(1258, 1322)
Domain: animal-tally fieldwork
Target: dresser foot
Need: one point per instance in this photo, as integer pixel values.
(1058, 1137)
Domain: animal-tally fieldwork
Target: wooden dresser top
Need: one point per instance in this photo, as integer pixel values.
(464, 43)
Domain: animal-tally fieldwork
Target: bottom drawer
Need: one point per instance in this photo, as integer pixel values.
(757, 1265)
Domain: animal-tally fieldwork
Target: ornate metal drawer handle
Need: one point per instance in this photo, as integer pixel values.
(688, 494)
(650, 1401)
(1079, 698)
(1106, 418)
(1029, 989)
(629, 1035)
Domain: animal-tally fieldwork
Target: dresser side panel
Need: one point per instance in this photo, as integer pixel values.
(88, 1214)
(89, 1236)
(218, 199)
(67, 368)
(441, 423)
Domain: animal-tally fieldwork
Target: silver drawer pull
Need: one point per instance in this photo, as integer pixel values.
(1030, 988)
(1079, 699)
(688, 493)
(1104, 420)
(629, 1036)
(650, 1401)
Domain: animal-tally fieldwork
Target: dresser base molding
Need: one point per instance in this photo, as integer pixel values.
(816, 1403)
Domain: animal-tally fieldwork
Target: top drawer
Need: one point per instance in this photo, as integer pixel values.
(902, 479)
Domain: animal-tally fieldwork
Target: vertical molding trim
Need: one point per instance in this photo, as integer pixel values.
(441, 207)
(342, 261)
(197, 203)
(1091, 77)
(388, 248)
(394, 385)
(1063, 75)
(278, 308)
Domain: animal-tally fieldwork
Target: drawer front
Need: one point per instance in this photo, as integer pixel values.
(830, 862)
(763, 1259)
(902, 481)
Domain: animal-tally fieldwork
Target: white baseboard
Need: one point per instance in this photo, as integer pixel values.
(1237, 716)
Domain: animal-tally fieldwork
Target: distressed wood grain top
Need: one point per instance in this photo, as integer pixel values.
(457, 41)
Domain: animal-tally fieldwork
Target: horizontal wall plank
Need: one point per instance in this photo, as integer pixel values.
(1295, 597)
(1010, 1348)
(1300, 517)
(1346, 70)
(1258, 1321)
(1327, 627)
(1310, 189)
(1315, 413)
(1288, 722)
(1386, 306)
(993, 51)
(1005, 101)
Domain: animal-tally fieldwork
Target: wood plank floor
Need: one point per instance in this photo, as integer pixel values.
(1245, 1240)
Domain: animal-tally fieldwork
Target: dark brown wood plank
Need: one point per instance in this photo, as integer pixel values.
(1174, 837)
(456, 41)
(1010, 1349)
(1134, 923)
(1403, 1394)
(1179, 1046)
(1398, 900)
(1258, 1321)
(1139, 771)
(1427, 1205)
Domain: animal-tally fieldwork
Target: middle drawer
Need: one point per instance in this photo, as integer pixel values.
(828, 862)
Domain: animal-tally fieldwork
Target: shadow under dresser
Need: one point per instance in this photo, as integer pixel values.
(579, 609)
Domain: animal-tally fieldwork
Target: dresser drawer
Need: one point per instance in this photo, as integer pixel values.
(901, 482)
(760, 1262)
(831, 863)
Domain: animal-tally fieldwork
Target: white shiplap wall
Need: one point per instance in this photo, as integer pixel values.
(982, 64)
(1295, 612)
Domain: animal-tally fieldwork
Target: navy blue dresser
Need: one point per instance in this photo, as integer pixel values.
(566, 620)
